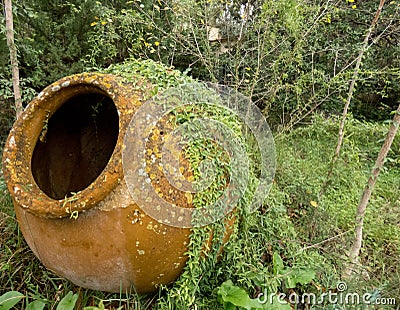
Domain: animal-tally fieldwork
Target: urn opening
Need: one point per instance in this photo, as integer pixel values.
(76, 143)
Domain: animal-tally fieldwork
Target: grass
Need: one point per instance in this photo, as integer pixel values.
(307, 233)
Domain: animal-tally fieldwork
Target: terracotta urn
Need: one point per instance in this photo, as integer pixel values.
(62, 164)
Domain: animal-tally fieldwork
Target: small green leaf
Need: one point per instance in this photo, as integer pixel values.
(302, 276)
(278, 263)
(10, 299)
(68, 302)
(36, 305)
(233, 296)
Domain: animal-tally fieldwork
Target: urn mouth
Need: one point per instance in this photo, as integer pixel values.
(63, 154)
(75, 144)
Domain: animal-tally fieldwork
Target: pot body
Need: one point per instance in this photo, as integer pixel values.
(63, 167)
(104, 250)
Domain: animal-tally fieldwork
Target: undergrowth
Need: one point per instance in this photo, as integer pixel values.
(297, 242)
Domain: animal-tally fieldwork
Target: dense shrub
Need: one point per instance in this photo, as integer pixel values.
(290, 57)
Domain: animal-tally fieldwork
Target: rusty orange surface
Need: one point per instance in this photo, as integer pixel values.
(63, 167)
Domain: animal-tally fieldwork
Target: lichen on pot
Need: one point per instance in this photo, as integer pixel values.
(63, 167)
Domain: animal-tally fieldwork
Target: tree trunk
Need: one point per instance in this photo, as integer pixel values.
(357, 243)
(13, 56)
(350, 96)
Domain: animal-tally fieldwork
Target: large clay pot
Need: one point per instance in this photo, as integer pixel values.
(63, 166)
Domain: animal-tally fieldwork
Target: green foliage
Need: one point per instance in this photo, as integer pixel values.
(118, 33)
(10, 299)
(139, 72)
(68, 302)
(291, 277)
(294, 243)
(52, 38)
(231, 296)
(292, 58)
(36, 305)
(334, 214)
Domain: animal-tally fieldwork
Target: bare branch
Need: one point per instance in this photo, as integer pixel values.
(350, 95)
(362, 206)
(13, 56)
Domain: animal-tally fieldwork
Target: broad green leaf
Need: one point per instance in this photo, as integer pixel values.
(10, 299)
(302, 276)
(68, 302)
(233, 295)
(276, 305)
(36, 305)
(229, 306)
(278, 263)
